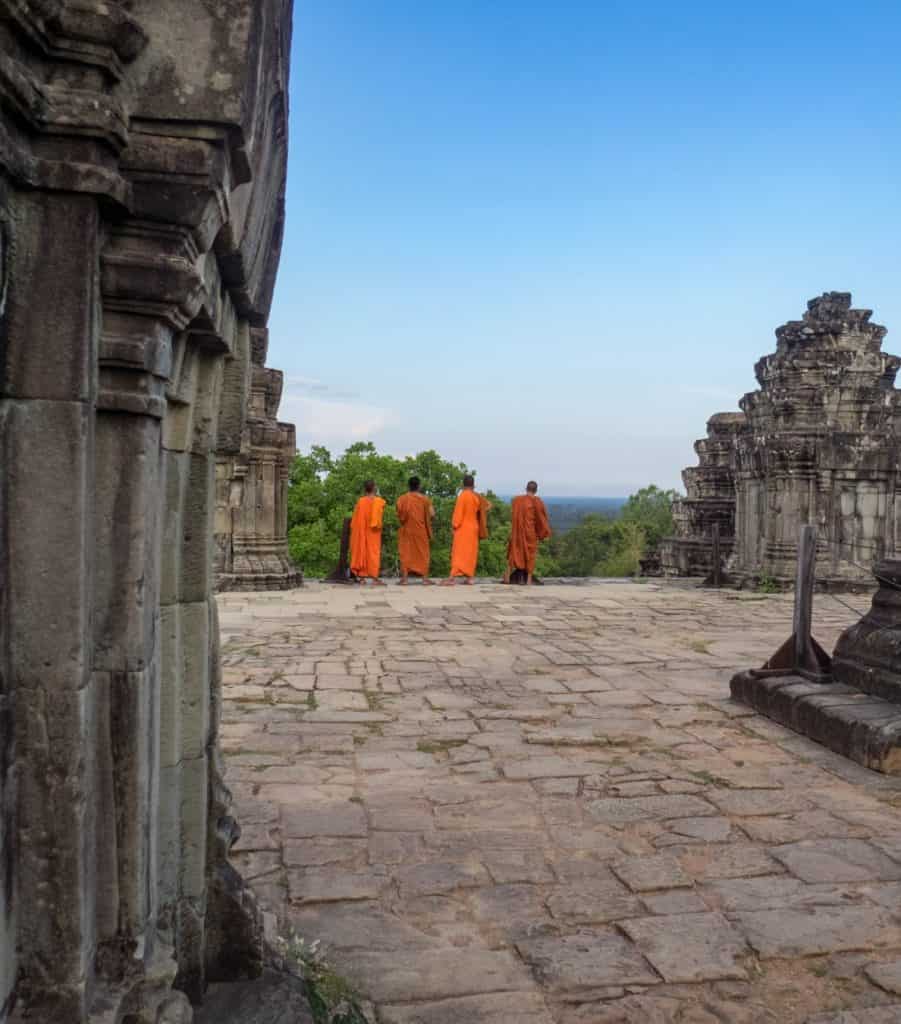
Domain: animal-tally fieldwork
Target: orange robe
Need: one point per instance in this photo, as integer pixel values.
(366, 537)
(415, 513)
(466, 524)
(528, 525)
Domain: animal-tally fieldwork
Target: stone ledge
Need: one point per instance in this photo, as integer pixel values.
(862, 728)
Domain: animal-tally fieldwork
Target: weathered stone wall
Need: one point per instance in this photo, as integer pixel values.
(252, 473)
(142, 171)
(709, 500)
(820, 447)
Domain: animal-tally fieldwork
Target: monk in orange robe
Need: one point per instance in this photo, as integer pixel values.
(415, 513)
(366, 535)
(470, 523)
(528, 525)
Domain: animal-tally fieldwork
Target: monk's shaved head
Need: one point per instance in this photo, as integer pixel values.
(413, 483)
(469, 480)
(531, 487)
(369, 486)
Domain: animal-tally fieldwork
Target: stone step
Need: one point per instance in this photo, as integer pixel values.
(862, 728)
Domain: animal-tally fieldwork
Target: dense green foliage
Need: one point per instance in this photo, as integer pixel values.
(612, 545)
(324, 490)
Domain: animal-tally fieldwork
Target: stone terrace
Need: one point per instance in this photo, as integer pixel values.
(525, 807)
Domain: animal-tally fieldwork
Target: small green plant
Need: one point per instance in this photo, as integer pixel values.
(699, 646)
(332, 998)
(373, 700)
(312, 703)
(767, 585)
(712, 780)
(438, 746)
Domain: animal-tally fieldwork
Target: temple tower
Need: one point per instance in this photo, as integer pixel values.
(709, 500)
(820, 448)
(252, 473)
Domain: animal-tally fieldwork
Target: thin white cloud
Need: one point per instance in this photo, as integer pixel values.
(332, 422)
(315, 386)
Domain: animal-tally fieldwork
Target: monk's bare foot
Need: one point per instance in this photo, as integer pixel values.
(428, 583)
(401, 583)
(447, 583)
(468, 581)
(378, 583)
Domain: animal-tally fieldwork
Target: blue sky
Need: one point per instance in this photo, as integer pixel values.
(551, 238)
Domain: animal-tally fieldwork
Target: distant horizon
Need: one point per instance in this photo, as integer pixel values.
(565, 497)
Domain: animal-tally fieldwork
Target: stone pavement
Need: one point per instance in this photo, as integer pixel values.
(540, 807)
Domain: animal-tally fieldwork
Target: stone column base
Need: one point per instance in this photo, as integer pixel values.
(862, 728)
(260, 565)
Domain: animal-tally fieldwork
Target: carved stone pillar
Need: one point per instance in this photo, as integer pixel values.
(820, 448)
(141, 216)
(252, 487)
(709, 500)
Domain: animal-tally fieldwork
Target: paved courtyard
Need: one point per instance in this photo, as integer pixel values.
(539, 806)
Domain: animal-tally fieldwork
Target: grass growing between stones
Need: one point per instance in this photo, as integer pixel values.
(699, 646)
(438, 746)
(332, 998)
(374, 700)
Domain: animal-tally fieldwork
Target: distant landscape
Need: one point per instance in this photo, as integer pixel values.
(565, 513)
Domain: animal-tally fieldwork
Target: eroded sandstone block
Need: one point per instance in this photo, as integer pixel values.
(252, 473)
(709, 501)
(820, 448)
(142, 170)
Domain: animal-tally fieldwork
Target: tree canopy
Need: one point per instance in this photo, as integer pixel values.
(324, 489)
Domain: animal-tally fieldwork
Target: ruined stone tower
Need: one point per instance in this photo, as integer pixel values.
(252, 474)
(820, 447)
(709, 500)
(142, 172)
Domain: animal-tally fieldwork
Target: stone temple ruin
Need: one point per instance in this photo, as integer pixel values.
(856, 711)
(255, 454)
(142, 173)
(709, 502)
(818, 445)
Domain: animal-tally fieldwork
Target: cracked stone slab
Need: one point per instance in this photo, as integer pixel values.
(659, 871)
(436, 974)
(593, 901)
(837, 860)
(689, 947)
(872, 1015)
(493, 1008)
(339, 819)
(886, 975)
(586, 960)
(624, 811)
(810, 931)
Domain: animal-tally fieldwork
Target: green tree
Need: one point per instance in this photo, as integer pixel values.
(323, 491)
(651, 510)
(601, 545)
